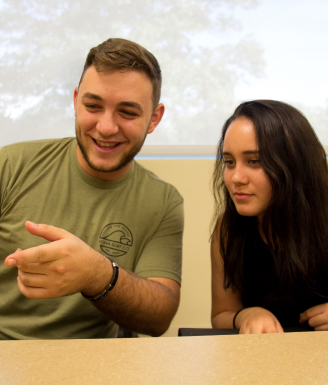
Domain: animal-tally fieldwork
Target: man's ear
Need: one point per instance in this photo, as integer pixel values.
(156, 118)
(76, 91)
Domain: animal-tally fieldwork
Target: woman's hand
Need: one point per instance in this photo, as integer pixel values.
(257, 320)
(316, 316)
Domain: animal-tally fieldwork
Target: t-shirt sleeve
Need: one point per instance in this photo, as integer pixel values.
(162, 257)
(4, 175)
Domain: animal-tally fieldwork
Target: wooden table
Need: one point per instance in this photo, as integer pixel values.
(294, 358)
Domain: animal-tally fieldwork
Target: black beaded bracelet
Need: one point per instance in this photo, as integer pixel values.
(234, 318)
(109, 287)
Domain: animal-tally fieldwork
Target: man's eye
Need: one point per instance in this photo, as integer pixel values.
(92, 106)
(128, 113)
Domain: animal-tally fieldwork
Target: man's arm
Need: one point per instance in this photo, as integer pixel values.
(67, 265)
(145, 305)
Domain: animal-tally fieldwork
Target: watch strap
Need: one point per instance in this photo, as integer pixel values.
(109, 287)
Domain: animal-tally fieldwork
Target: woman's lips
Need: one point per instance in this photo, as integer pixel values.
(242, 196)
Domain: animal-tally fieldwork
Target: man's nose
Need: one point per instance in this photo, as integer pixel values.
(107, 124)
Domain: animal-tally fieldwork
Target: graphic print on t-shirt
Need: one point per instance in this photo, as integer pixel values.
(115, 239)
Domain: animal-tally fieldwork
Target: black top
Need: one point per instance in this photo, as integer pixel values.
(261, 286)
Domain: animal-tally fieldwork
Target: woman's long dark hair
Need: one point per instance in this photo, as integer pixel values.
(295, 223)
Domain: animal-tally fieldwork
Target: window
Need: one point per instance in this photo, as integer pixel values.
(213, 53)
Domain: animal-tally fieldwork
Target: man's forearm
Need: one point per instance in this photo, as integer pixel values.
(67, 265)
(142, 305)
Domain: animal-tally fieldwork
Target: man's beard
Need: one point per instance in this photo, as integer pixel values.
(126, 158)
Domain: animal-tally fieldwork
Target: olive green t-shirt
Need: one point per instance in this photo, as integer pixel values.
(136, 221)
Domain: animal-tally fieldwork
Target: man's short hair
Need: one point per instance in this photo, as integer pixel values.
(126, 55)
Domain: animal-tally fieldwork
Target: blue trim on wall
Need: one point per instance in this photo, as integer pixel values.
(179, 157)
(175, 157)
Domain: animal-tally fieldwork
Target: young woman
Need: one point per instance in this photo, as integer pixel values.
(270, 240)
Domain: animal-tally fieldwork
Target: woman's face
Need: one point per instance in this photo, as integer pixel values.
(246, 181)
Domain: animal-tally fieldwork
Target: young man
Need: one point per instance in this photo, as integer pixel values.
(102, 225)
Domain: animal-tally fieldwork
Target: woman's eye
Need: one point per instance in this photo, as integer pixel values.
(254, 162)
(228, 162)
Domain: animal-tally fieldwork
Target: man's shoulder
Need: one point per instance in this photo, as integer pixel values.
(22, 151)
(15, 157)
(155, 183)
(33, 146)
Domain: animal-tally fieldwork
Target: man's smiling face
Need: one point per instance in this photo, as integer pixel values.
(114, 114)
